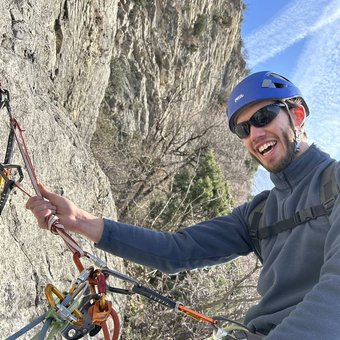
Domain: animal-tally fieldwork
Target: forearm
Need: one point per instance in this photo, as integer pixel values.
(89, 226)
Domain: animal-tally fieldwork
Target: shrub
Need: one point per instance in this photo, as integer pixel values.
(200, 25)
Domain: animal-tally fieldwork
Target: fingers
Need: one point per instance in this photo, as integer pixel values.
(51, 204)
(46, 193)
(42, 209)
(35, 201)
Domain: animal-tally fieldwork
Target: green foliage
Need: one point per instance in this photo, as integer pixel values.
(200, 25)
(197, 193)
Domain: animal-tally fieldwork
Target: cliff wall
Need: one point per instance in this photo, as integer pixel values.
(54, 60)
(181, 53)
(66, 62)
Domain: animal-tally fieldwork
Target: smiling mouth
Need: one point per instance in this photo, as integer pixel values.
(267, 147)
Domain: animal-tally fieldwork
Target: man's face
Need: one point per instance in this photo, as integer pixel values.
(272, 145)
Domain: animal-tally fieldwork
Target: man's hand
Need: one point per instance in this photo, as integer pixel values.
(71, 217)
(52, 204)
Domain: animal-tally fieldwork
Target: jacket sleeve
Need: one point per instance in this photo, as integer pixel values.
(317, 316)
(208, 243)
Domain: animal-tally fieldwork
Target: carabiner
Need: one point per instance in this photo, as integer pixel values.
(5, 172)
(81, 279)
(96, 260)
(74, 316)
(98, 314)
(100, 280)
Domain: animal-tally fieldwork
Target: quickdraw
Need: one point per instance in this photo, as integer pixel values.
(84, 309)
(6, 169)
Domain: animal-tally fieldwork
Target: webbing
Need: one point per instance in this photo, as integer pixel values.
(298, 218)
(329, 190)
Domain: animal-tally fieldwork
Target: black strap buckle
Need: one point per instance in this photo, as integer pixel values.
(304, 216)
(254, 233)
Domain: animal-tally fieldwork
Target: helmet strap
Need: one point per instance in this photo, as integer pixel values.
(298, 133)
(298, 139)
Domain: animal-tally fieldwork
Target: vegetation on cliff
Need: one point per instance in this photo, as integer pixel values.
(169, 156)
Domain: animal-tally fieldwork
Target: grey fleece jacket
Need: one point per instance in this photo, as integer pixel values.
(300, 280)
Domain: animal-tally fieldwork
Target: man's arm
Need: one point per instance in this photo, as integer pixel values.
(208, 243)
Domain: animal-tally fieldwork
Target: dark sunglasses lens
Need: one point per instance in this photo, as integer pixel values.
(265, 115)
(260, 118)
(242, 130)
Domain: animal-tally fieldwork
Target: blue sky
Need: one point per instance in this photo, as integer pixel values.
(300, 39)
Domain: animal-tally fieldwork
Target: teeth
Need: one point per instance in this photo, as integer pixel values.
(265, 146)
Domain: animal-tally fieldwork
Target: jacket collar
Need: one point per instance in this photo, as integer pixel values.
(299, 168)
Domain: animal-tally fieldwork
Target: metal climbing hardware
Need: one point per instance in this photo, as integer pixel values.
(66, 308)
(72, 332)
(7, 180)
(196, 315)
(100, 313)
(83, 277)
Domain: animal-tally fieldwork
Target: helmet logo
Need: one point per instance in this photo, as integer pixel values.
(240, 96)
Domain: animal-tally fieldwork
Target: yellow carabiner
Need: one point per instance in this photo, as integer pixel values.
(51, 289)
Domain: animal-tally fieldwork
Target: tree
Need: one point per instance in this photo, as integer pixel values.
(198, 192)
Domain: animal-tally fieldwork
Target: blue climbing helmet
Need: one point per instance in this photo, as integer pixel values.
(261, 86)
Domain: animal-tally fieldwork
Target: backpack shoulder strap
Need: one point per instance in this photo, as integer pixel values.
(329, 190)
(254, 222)
(328, 193)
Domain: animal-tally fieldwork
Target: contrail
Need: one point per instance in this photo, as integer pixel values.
(297, 20)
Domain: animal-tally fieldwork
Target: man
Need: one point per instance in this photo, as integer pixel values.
(300, 280)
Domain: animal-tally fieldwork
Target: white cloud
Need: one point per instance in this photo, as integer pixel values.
(299, 19)
(318, 75)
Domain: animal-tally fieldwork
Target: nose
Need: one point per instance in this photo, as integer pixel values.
(256, 132)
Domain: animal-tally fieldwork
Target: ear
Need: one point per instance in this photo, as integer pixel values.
(299, 115)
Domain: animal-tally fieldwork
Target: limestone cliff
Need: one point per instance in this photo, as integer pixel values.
(187, 52)
(56, 59)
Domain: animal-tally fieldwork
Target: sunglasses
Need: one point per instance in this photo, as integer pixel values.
(260, 118)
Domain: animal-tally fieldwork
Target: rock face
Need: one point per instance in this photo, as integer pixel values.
(55, 59)
(172, 53)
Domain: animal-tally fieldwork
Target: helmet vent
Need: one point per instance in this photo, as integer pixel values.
(268, 83)
(279, 86)
(277, 76)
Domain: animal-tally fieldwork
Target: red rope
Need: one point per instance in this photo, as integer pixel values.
(116, 327)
